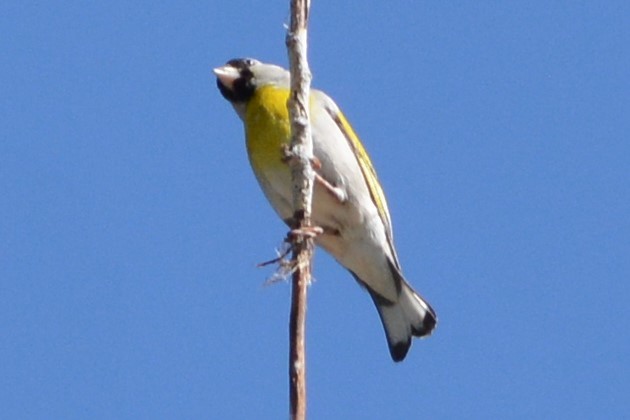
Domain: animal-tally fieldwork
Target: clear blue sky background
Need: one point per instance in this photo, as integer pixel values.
(130, 222)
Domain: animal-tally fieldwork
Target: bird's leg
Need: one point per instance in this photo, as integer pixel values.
(336, 192)
(316, 164)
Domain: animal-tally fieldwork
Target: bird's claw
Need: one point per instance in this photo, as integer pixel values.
(305, 232)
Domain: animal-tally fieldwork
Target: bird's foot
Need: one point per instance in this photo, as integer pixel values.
(304, 232)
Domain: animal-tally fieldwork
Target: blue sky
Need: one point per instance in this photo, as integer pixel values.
(131, 224)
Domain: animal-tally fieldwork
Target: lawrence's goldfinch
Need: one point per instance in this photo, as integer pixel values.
(348, 201)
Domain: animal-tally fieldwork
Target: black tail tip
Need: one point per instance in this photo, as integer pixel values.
(399, 350)
(428, 325)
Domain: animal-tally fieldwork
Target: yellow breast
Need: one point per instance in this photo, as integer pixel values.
(267, 128)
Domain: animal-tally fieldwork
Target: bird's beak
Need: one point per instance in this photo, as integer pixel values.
(226, 75)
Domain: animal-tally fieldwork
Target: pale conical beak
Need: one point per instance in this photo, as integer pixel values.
(226, 75)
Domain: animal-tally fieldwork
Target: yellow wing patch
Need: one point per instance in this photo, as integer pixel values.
(369, 174)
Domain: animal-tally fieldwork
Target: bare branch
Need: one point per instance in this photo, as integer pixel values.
(300, 153)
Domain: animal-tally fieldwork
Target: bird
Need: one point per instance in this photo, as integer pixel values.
(348, 200)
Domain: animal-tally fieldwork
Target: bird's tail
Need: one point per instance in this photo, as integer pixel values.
(410, 316)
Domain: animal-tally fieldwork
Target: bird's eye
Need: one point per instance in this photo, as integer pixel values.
(251, 62)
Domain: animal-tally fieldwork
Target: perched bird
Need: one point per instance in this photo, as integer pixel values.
(348, 201)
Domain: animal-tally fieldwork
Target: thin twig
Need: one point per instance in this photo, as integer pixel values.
(301, 152)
